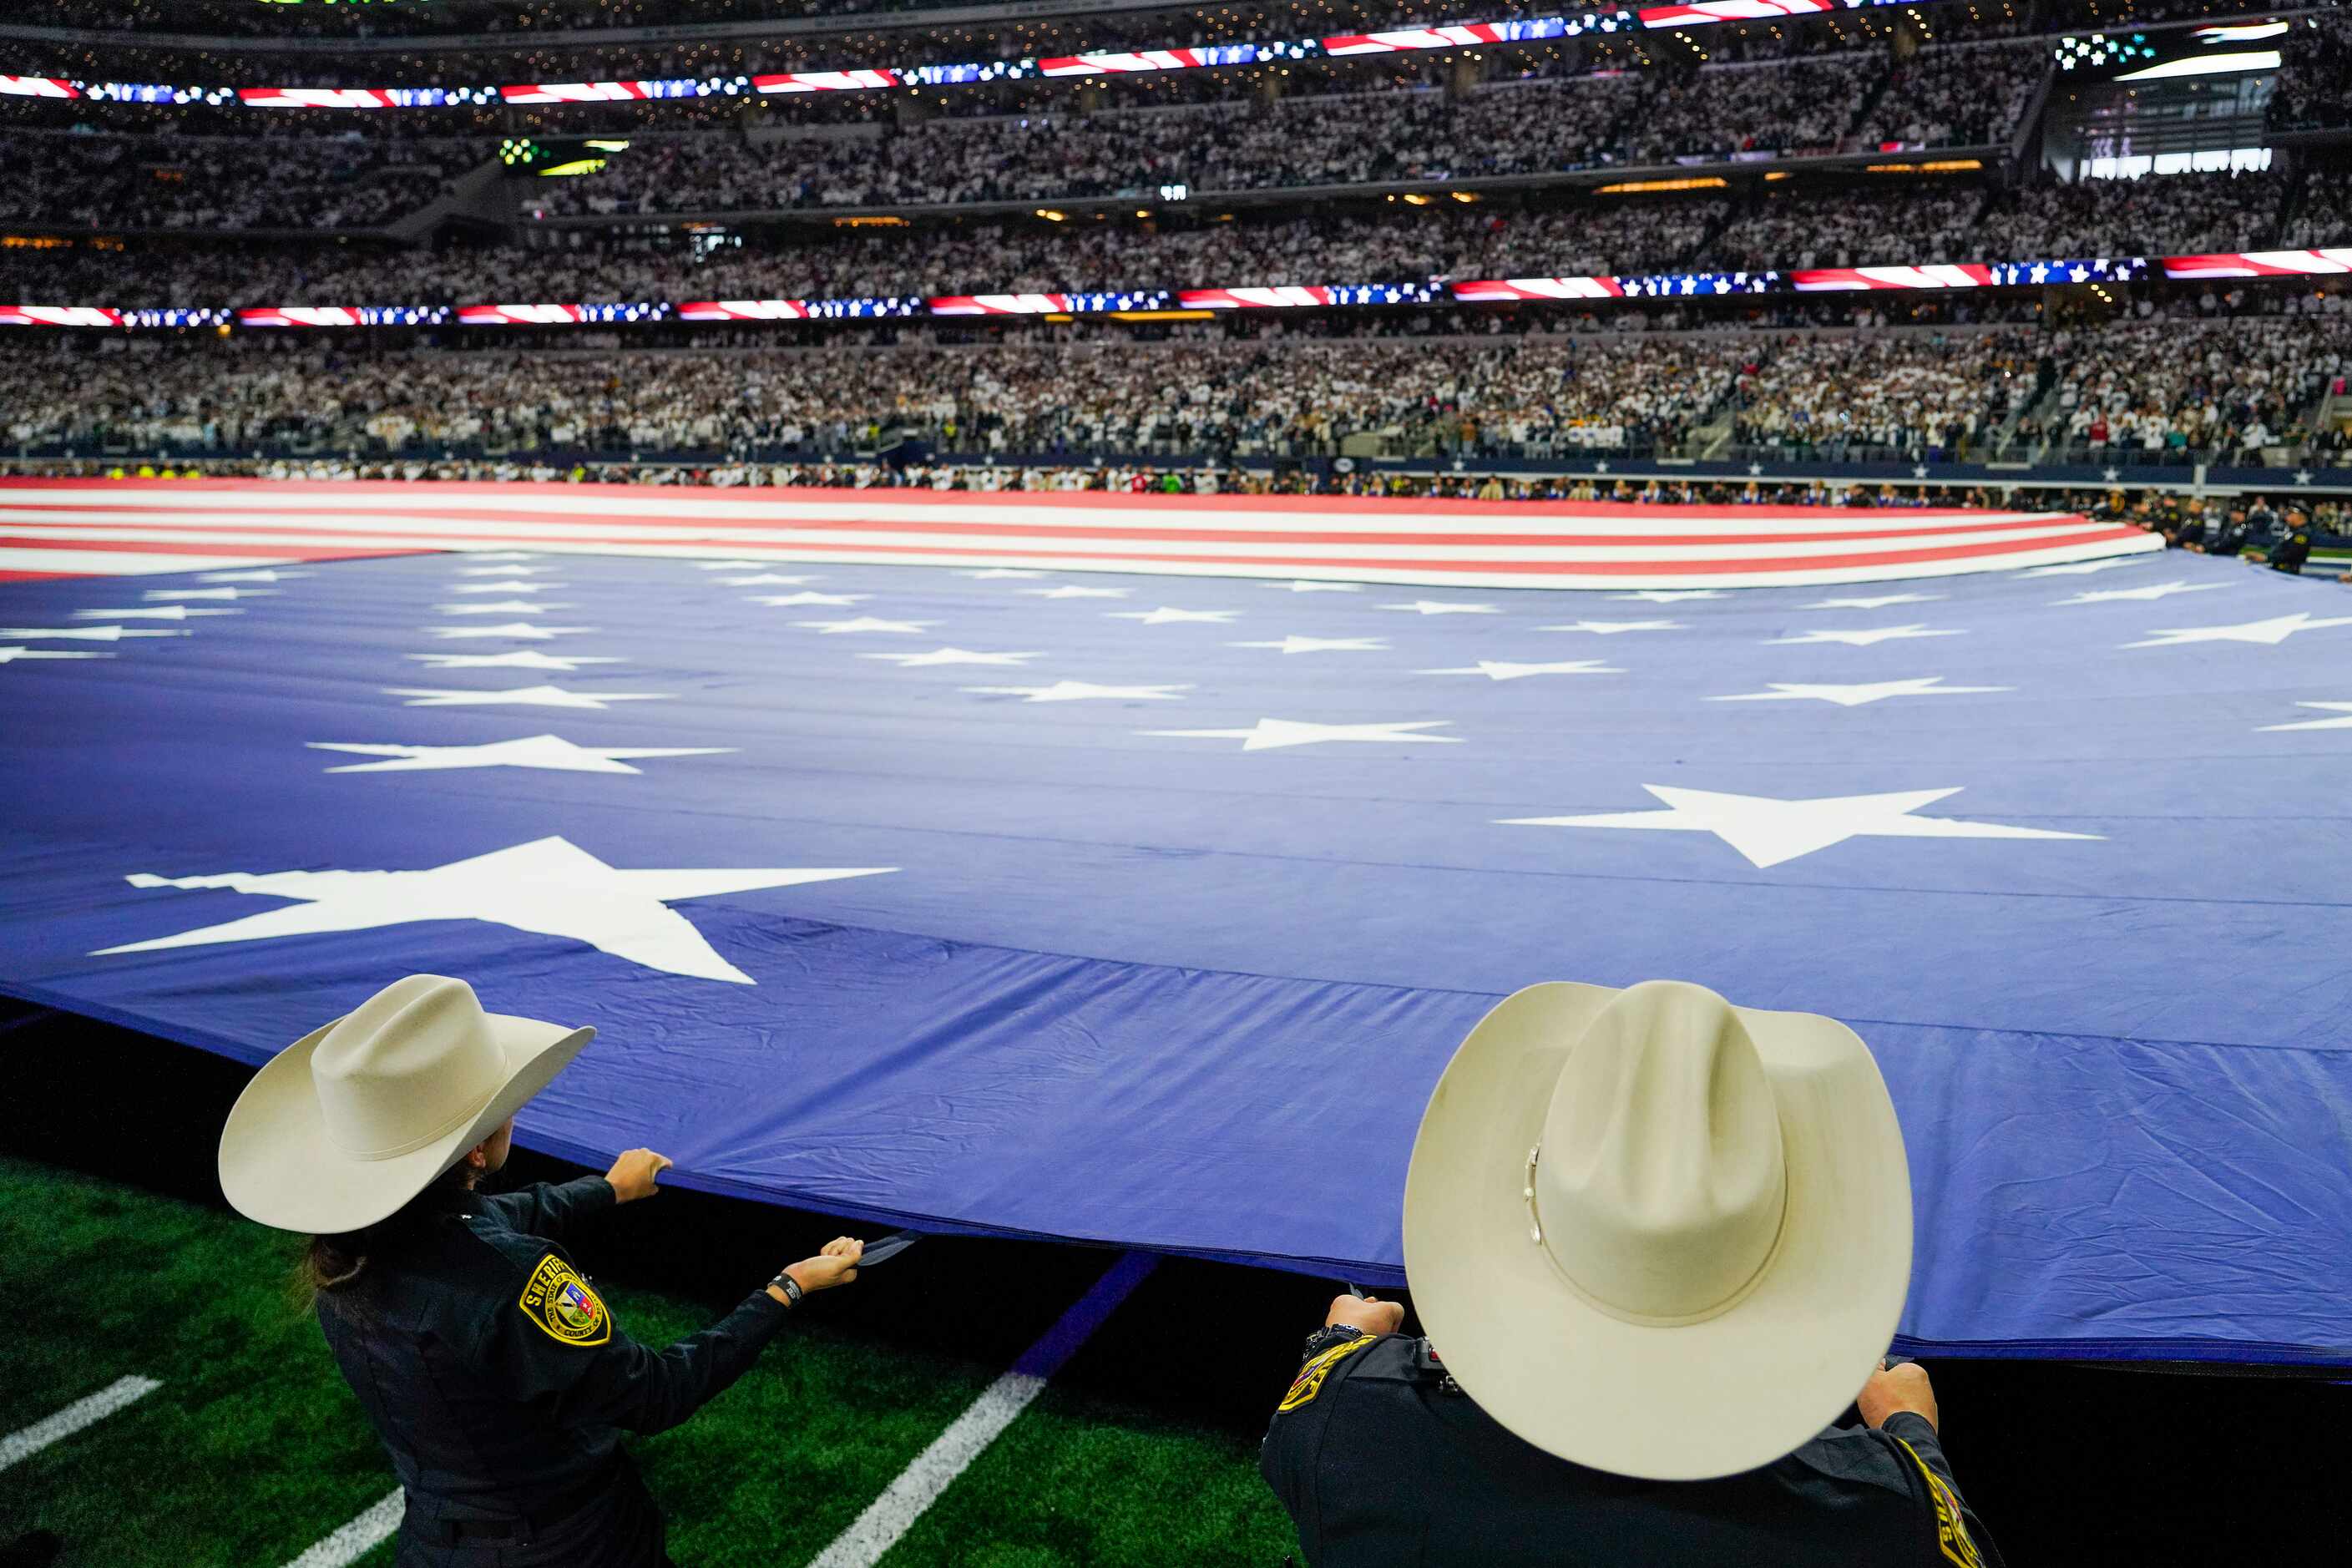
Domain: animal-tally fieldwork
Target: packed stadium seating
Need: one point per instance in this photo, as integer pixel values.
(1738, 148)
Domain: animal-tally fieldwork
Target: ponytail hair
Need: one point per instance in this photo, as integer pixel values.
(331, 1265)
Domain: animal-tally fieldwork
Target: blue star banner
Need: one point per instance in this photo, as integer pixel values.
(1146, 910)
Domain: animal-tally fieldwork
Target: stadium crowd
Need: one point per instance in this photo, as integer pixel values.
(2186, 214)
(1956, 97)
(2170, 390)
(1932, 398)
(206, 182)
(2230, 391)
(1302, 397)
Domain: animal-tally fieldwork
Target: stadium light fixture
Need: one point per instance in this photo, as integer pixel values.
(1697, 183)
(1050, 216)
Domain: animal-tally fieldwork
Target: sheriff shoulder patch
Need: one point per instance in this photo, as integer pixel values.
(560, 1302)
(1951, 1532)
(1309, 1382)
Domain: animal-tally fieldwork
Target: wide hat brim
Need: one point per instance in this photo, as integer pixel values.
(278, 1166)
(1729, 1393)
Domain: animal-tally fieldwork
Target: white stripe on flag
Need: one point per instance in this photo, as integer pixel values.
(64, 559)
(893, 1513)
(354, 1540)
(81, 1413)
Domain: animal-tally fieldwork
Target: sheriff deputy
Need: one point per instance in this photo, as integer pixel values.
(491, 1370)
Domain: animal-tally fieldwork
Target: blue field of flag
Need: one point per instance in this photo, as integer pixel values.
(1146, 910)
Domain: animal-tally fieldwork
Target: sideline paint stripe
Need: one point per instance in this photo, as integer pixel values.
(81, 1413)
(359, 1537)
(892, 1514)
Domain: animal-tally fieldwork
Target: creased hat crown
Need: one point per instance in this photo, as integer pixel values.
(408, 1065)
(1660, 1183)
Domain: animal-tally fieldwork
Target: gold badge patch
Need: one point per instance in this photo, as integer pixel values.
(1309, 1382)
(1951, 1532)
(560, 1303)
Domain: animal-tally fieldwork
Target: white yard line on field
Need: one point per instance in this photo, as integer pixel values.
(81, 1413)
(892, 1514)
(351, 1541)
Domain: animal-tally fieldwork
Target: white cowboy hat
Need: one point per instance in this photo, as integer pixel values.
(1655, 1234)
(348, 1122)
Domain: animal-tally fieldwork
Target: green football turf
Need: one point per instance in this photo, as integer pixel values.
(252, 1449)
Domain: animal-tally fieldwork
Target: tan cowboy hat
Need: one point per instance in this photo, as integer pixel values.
(348, 1122)
(1656, 1234)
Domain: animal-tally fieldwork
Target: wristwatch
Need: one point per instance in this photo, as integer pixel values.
(790, 1287)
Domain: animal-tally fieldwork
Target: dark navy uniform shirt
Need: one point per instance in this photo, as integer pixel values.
(494, 1372)
(1383, 1463)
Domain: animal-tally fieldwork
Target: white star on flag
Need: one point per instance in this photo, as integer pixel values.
(1273, 734)
(989, 574)
(1864, 637)
(548, 887)
(501, 607)
(785, 601)
(1309, 585)
(1609, 628)
(1874, 602)
(86, 633)
(1447, 607)
(774, 579)
(207, 593)
(1295, 643)
(151, 613)
(521, 659)
(865, 624)
(513, 631)
(10, 655)
(2343, 724)
(2080, 568)
(1499, 669)
(2153, 591)
(1081, 691)
(950, 655)
(1855, 696)
(1164, 616)
(2272, 632)
(499, 571)
(265, 574)
(732, 565)
(1768, 830)
(520, 696)
(552, 753)
(1073, 590)
(1670, 595)
(501, 587)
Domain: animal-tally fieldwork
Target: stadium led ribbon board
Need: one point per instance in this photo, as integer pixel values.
(1339, 45)
(2328, 262)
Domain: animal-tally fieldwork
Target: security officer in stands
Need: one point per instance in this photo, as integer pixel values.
(1659, 1243)
(489, 1366)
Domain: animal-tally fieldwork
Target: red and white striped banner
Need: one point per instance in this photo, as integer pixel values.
(1825, 280)
(1280, 298)
(998, 304)
(1404, 38)
(54, 526)
(576, 91)
(521, 315)
(2260, 263)
(827, 81)
(37, 87)
(1118, 64)
(58, 316)
(1493, 289)
(1706, 11)
(316, 97)
(744, 310)
(300, 316)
